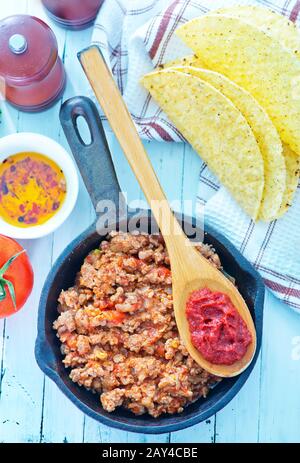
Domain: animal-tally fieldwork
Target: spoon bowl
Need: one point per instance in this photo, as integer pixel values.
(201, 274)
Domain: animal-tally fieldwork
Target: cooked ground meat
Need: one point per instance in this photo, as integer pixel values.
(118, 331)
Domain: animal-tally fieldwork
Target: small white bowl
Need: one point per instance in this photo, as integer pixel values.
(32, 142)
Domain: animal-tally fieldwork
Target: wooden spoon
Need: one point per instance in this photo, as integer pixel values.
(190, 270)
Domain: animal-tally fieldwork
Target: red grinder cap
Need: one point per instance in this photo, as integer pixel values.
(28, 49)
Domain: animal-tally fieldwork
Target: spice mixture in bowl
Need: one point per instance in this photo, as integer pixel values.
(32, 189)
(38, 185)
(118, 332)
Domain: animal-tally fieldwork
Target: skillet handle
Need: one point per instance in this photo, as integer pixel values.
(94, 160)
(45, 357)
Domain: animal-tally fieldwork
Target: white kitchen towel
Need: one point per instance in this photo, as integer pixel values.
(137, 35)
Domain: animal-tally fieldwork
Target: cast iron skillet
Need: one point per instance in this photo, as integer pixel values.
(98, 173)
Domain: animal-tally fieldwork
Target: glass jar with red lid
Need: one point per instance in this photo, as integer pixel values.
(73, 14)
(32, 74)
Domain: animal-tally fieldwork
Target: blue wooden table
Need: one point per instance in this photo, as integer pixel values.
(32, 409)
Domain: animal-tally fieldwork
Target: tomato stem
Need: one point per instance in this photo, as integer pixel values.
(6, 283)
(2, 292)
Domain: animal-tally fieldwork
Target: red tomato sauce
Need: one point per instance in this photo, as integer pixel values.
(217, 330)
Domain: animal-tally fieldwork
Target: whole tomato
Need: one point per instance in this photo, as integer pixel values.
(16, 276)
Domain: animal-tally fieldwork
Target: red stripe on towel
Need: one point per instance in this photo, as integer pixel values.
(162, 28)
(295, 12)
(278, 288)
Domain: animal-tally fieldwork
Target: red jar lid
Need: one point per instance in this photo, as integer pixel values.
(28, 49)
(72, 13)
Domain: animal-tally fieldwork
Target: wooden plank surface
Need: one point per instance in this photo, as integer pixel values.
(32, 409)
